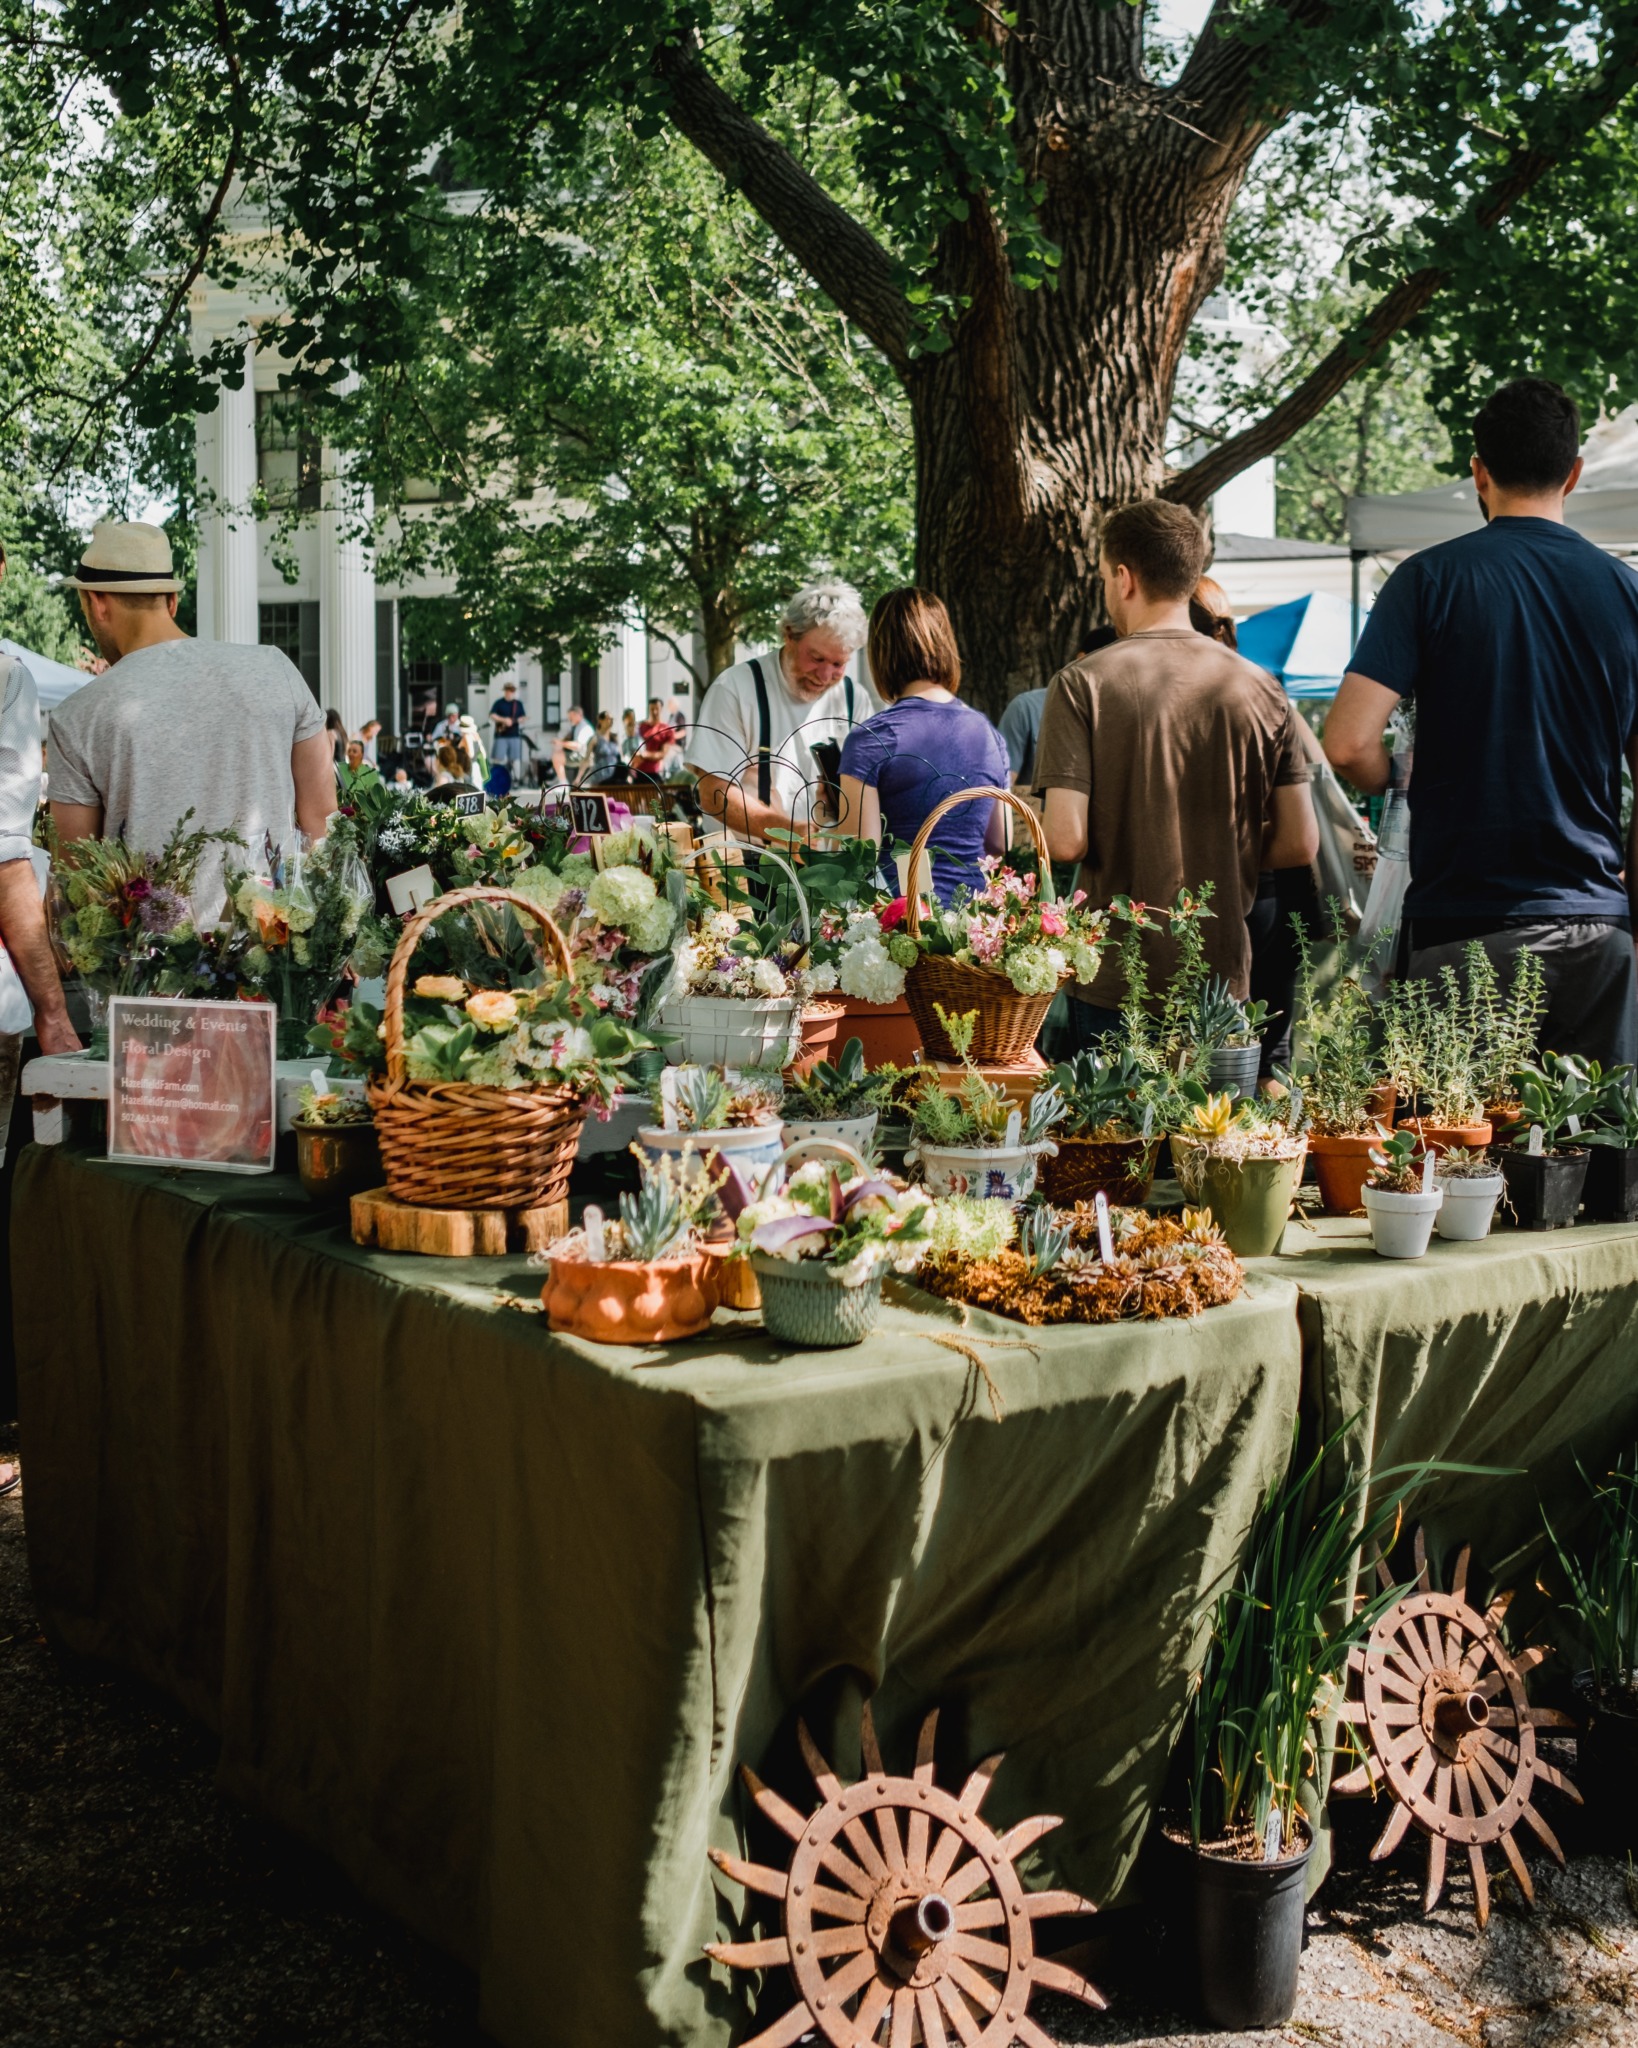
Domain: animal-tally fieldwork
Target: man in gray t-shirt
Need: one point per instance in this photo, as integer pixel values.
(231, 731)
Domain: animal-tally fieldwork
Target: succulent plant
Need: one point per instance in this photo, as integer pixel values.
(1043, 1240)
(652, 1220)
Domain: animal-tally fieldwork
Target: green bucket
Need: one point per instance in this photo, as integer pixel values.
(803, 1302)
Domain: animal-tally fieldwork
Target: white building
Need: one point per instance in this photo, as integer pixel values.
(312, 589)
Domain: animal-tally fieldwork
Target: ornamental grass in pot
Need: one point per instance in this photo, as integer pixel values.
(1105, 1141)
(1242, 1161)
(1339, 1070)
(822, 1238)
(1400, 1197)
(1611, 1193)
(1472, 1185)
(840, 1102)
(976, 1141)
(1600, 1569)
(1546, 1164)
(646, 1278)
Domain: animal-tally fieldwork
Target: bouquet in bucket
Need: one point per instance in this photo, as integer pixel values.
(123, 919)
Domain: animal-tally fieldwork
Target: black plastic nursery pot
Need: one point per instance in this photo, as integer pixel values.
(1248, 1921)
(1545, 1187)
(1607, 1761)
(1612, 1184)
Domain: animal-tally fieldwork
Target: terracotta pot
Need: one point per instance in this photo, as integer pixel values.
(1122, 1169)
(1381, 1102)
(737, 1284)
(336, 1161)
(1505, 1119)
(887, 1031)
(1340, 1167)
(820, 1022)
(1439, 1138)
(619, 1301)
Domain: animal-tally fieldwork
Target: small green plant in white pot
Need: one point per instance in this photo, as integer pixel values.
(701, 1112)
(1400, 1197)
(1471, 1183)
(975, 1140)
(840, 1102)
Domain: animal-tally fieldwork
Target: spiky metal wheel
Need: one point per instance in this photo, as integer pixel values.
(1442, 1716)
(904, 1919)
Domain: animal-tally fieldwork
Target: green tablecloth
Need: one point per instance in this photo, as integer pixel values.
(492, 1616)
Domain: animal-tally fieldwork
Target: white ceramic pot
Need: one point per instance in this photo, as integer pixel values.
(854, 1131)
(1007, 1171)
(1401, 1224)
(752, 1149)
(1469, 1206)
(720, 1031)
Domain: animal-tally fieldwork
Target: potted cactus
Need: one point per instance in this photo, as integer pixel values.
(1471, 1183)
(1106, 1142)
(1400, 1198)
(1546, 1168)
(1242, 1160)
(975, 1141)
(1612, 1164)
(645, 1279)
(840, 1102)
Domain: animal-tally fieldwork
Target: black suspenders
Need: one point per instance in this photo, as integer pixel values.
(764, 729)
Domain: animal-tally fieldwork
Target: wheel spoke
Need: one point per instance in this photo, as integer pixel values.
(956, 2006)
(887, 1826)
(945, 1851)
(851, 1977)
(979, 1989)
(1401, 1817)
(837, 1941)
(751, 1955)
(1510, 1849)
(878, 1997)
(786, 2030)
(783, 1815)
(865, 1849)
(837, 1861)
(973, 1792)
(1475, 1855)
(932, 2020)
(1436, 1872)
(818, 1769)
(989, 1955)
(839, 1905)
(981, 1913)
(904, 2018)
(1543, 1833)
(870, 1750)
(756, 1877)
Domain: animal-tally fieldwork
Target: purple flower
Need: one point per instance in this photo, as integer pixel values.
(569, 905)
(161, 910)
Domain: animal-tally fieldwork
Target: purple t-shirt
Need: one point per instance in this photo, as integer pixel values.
(915, 754)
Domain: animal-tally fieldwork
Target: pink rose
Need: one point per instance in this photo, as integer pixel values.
(1053, 922)
(893, 916)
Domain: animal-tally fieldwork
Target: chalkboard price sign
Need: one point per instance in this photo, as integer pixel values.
(192, 1082)
(468, 804)
(590, 812)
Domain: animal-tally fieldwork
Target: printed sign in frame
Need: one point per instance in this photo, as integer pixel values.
(192, 1082)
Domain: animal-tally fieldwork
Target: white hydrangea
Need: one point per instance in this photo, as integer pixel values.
(1083, 960)
(821, 979)
(651, 931)
(866, 970)
(1032, 972)
(863, 1263)
(766, 978)
(721, 925)
(540, 885)
(619, 895)
(620, 848)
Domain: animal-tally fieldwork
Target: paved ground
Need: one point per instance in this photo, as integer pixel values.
(137, 1910)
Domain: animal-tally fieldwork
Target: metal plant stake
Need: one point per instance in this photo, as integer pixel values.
(1444, 1719)
(904, 1920)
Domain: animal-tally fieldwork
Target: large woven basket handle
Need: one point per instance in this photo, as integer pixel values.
(912, 915)
(417, 928)
(802, 1147)
(779, 860)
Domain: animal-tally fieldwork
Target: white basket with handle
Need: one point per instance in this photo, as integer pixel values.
(738, 1031)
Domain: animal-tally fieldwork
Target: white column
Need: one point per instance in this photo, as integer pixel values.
(630, 650)
(346, 596)
(229, 549)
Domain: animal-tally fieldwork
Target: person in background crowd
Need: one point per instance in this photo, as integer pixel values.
(577, 739)
(24, 938)
(1518, 646)
(900, 765)
(258, 758)
(370, 733)
(473, 750)
(336, 726)
(1021, 721)
(631, 741)
(658, 738)
(1199, 774)
(751, 744)
(1282, 893)
(603, 762)
(355, 755)
(506, 722)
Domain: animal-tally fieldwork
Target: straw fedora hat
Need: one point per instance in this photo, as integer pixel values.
(126, 557)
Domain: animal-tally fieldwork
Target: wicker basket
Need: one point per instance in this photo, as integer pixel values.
(803, 1302)
(1082, 1167)
(1008, 1023)
(451, 1144)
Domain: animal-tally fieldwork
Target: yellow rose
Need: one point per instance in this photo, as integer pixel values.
(440, 988)
(492, 1009)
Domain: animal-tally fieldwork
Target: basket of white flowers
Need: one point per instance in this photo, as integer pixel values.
(740, 986)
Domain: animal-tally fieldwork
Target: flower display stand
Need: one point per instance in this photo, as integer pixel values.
(393, 1226)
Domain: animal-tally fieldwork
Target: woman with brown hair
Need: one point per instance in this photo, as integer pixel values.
(900, 765)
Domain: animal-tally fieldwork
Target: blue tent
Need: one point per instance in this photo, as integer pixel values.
(1304, 644)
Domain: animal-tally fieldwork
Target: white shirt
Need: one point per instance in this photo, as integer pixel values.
(19, 759)
(723, 740)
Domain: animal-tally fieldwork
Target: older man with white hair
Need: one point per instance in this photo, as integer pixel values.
(752, 744)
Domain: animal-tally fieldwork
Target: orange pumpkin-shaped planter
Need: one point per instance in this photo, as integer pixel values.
(622, 1301)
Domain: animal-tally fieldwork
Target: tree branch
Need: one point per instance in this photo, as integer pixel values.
(840, 254)
(1411, 296)
(1215, 85)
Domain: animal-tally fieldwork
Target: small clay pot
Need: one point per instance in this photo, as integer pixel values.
(1381, 1103)
(1439, 1138)
(820, 1022)
(737, 1284)
(337, 1161)
(622, 1301)
(887, 1031)
(1121, 1169)
(1340, 1166)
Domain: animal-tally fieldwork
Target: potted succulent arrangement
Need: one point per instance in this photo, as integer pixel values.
(715, 1118)
(742, 976)
(839, 1102)
(1546, 1169)
(337, 1154)
(1242, 1160)
(1400, 1197)
(1230, 1034)
(974, 1139)
(821, 1241)
(1107, 1140)
(1504, 1029)
(646, 1278)
(1601, 1571)
(1340, 1074)
(1433, 1056)
(1611, 1194)
(1472, 1185)
(1278, 1647)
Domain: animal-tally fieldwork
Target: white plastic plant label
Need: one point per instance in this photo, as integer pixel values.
(1429, 1162)
(1106, 1244)
(1015, 1125)
(1148, 1121)
(1535, 1146)
(592, 1223)
(668, 1098)
(1573, 1125)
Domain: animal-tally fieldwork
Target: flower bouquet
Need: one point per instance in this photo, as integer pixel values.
(1004, 950)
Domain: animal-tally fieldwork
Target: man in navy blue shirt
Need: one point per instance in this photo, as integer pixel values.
(1518, 646)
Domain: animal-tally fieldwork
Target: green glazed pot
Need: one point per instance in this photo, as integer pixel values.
(1249, 1199)
(804, 1303)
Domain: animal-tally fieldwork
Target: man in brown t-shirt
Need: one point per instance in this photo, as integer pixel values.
(1168, 761)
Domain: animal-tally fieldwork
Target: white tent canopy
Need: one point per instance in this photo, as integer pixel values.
(53, 680)
(1603, 506)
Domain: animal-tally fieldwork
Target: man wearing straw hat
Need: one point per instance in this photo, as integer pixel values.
(232, 732)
